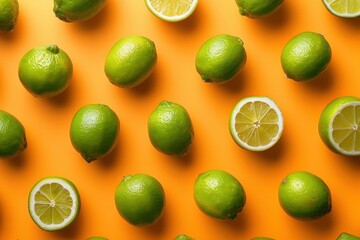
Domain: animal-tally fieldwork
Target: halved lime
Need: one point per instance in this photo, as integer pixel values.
(53, 203)
(171, 10)
(343, 8)
(339, 125)
(256, 123)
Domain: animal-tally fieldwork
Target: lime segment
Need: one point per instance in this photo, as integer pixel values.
(171, 10)
(339, 126)
(343, 8)
(256, 123)
(53, 203)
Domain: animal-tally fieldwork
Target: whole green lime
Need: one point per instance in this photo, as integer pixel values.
(79, 10)
(140, 199)
(170, 129)
(258, 8)
(130, 61)
(9, 12)
(220, 58)
(347, 236)
(12, 135)
(94, 131)
(45, 71)
(182, 237)
(305, 56)
(304, 196)
(219, 194)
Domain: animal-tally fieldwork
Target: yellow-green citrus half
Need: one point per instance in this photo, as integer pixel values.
(53, 203)
(343, 8)
(339, 125)
(172, 10)
(256, 123)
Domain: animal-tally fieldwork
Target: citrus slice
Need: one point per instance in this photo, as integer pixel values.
(171, 10)
(256, 123)
(339, 126)
(343, 8)
(53, 203)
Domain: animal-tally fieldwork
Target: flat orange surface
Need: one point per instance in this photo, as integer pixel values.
(47, 121)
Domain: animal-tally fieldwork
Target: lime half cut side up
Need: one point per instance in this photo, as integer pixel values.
(339, 126)
(171, 10)
(256, 123)
(53, 203)
(343, 8)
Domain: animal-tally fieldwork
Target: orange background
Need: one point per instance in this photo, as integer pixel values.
(47, 121)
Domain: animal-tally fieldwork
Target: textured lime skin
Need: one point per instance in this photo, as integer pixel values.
(94, 131)
(140, 199)
(74, 189)
(130, 61)
(170, 129)
(219, 194)
(45, 71)
(79, 10)
(258, 8)
(347, 236)
(97, 238)
(305, 56)
(326, 116)
(182, 237)
(12, 135)
(220, 58)
(9, 12)
(304, 196)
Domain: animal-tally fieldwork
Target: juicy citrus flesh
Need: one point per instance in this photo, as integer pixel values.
(94, 131)
(140, 199)
(53, 203)
(80, 10)
(305, 56)
(219, 194)
(256, 123)
(343, 8)
(12, 135)
(172, 10)
(304, 196)
(45, 71)
(170, 129)
(220, 58)
(347, 236)
(339, 125)
(130, 61)
(9, 12)
(258, 8)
